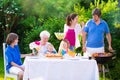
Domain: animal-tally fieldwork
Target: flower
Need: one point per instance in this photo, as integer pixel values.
(35, 44)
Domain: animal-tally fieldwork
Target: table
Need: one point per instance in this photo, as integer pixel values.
(60, 69)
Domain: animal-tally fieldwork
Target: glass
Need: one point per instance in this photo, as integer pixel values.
(34, 51)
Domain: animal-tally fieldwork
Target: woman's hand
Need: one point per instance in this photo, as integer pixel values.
(82, 24)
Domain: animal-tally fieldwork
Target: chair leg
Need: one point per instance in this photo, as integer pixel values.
(5, 77)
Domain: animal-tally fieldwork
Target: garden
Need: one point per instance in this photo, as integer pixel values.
(28, 18)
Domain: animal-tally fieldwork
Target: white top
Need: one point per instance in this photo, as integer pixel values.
(78, 30)
(42, 49)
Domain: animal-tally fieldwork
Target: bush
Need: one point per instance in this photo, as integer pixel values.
(115, 69)
(52, 25)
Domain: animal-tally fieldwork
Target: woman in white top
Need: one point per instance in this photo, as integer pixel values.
(78, 31)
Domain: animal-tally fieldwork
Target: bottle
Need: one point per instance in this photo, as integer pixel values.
(35, 52)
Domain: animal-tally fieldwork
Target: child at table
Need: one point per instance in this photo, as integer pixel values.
(64, 48)
(50, 49)
(13, 57)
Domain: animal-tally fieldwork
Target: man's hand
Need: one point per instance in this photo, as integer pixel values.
(110, 49)
(84, 48)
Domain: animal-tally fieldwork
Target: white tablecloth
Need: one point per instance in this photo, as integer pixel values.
(60, 69)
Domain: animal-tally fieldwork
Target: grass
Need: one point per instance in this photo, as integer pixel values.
(1, 68)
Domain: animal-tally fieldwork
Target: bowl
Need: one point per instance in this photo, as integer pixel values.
(59, 35)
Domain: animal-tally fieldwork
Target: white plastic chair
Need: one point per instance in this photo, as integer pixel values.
(6, 74)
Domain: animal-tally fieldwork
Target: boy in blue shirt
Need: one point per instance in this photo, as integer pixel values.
(13, 57)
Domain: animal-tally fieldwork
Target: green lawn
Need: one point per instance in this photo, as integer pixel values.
(1, 68)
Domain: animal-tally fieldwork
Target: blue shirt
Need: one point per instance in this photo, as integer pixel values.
(54, 51)
(63, 52)
(95, 33)
(12, 55)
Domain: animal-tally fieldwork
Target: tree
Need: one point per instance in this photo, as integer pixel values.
(10, 13)
(48, 8)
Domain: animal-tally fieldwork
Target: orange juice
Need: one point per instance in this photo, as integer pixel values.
(71, 53)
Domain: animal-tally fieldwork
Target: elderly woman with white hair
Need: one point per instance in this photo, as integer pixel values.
(41, 46)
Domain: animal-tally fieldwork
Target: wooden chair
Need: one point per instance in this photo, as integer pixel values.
(6, 74)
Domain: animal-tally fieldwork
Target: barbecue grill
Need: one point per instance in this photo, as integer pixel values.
(103, 60)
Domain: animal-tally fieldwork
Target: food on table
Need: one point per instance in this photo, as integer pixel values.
(101, 54)
(50, 55)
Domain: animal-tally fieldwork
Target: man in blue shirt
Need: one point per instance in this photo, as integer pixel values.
(93, 34)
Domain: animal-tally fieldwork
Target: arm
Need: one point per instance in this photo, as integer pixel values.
(65, 28)
(108, 36)
(82, 24)
(78, 29)
(60, 47)
(84, 41)
(24, 55)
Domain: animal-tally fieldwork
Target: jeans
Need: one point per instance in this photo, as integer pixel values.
(71, 48)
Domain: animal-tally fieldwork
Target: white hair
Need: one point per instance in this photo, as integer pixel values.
(44, 33)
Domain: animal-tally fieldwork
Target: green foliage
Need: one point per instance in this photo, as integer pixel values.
(10, 12)
(106, 8)
(24, 26)
(83, 14)
(115, 70)
(52, 25)
(48, 8)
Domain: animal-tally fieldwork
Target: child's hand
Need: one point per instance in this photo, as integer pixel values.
(31, 54)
